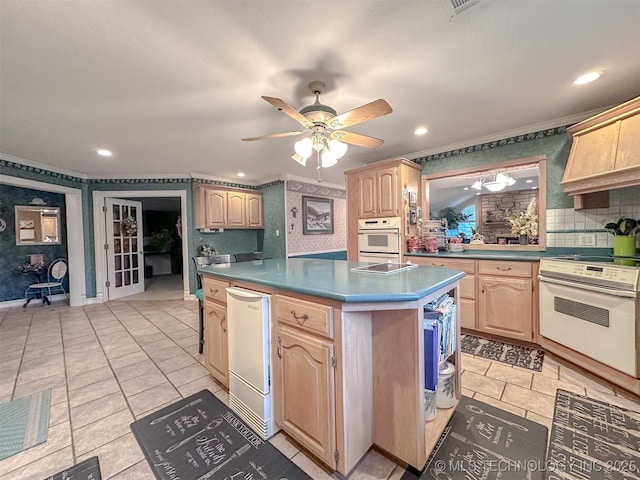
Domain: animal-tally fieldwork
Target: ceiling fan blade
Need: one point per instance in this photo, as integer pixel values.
(375, 109)
(357, 139)
(275, 135)
(281, 105)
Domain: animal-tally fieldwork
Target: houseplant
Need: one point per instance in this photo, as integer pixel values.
(624, 233)
(525, 224)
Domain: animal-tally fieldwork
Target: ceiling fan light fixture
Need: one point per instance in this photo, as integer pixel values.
(303, 147)
(338, 148)
(494, 181)
(328, 158)
(477, 185)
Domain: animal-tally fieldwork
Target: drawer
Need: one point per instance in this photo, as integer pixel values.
(309, 316)
(468, 287)
(214, 289)
(513, 269)
(467, 266)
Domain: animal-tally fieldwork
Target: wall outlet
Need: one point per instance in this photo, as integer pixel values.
(587, 240)
(278, 234)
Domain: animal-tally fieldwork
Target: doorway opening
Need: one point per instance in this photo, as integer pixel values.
(162, 253)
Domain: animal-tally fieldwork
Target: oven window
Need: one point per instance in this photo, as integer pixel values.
(378, 240)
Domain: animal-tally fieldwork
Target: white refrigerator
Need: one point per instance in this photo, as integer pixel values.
(249, 333)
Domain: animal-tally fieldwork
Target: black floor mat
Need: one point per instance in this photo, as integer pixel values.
(200, 438)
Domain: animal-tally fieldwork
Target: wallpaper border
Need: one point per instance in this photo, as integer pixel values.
(321, 190)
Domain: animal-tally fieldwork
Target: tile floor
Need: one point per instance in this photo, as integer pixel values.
(112, 363)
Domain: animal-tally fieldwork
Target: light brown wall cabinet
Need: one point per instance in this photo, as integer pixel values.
(219, 208)
(216, 350)
(605, 154)
(378, 190)
(304, 375)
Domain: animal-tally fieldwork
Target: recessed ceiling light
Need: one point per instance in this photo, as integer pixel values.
(240, 174)
(421, 131)
(466, 188)
(529, 181)
(104, 152)
(587, 78)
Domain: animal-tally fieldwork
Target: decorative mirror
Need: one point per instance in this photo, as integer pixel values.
(37, 225)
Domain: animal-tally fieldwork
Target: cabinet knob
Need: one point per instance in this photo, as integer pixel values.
(300, 318)
(213, 291)
(222, 323)
(279, 347)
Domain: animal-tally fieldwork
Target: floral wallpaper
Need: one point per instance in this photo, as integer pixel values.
(298, 243)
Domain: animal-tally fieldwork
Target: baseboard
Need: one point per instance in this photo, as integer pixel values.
(20, 301)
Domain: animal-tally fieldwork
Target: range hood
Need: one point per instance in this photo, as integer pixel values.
(605, 155)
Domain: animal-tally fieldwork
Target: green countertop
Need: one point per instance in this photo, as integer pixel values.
(334, 279)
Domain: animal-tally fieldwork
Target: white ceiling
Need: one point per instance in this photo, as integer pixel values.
(172, 86)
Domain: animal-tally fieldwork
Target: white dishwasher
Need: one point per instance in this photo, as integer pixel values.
(249, 333)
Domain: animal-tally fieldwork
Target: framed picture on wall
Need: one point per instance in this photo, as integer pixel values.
(317, 215)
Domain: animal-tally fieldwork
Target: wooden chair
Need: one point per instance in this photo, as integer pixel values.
(54, 284)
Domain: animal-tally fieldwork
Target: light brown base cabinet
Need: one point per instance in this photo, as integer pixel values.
(496, 297)
(216, 350)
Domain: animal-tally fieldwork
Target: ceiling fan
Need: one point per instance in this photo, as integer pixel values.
(325, 126)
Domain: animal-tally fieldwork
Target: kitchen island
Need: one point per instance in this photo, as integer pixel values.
(347, 352)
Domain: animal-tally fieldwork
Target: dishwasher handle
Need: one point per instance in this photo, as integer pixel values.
(241, 292)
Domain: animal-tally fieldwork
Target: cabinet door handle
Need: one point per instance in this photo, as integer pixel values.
(279, 347)
(213, 291)
(503, 269)
(223, 321)
(438, 264)
(298, 318)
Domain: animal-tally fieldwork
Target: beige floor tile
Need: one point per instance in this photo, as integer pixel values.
(374, 466)
(282, 443)
(154, 409)
(11, 365)
(117, 455)
(59, 437)
(6, 388)
(89, 378)
(310, 467)
(103, 431)
(166, 353)
(176, 363)
(44, 467)
(128, 359)
(145, 367)
(39, 385)
(97, 409)
(59, 395)
(397, 473)
(467, 393)
(534, 417)
(159, 395)
(58, 413)
(85, 365)
(92, 392)
(498, 404)
(202, 383)
(485, 385)
(187, 374)
(529, 400)
(571, 376)
(550, 369)
(139, 471)
(123, 350)
(515, 376)
(549, 386)
(475, 364)
(142, 383)
(223, 396)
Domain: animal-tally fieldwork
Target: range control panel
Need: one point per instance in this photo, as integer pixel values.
(602, 274)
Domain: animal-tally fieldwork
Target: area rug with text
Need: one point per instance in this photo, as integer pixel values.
(592, 439)
(200, 438)
(516, 355)
(484, 442)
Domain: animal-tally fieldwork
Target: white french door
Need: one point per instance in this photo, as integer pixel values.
(125, 259)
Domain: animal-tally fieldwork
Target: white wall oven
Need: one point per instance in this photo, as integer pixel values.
(590, 305)
(379, 239)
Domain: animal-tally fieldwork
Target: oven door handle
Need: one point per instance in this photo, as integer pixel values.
(379, 231)
(592, 288)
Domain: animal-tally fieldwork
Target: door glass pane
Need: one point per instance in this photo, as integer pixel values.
(127, 277)
(118, 263)
(135, 276)
(134, 244)
(118, 279)
(125, 245)
(116, 212)
(117, 245)
(134, 260)
(132, 212)
(127, 262)
(116, 229)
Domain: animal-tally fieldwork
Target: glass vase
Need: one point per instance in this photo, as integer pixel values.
(524, 240)
(624, 245)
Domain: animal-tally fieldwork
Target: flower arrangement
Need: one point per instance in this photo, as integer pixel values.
(129, 226)
(624, 227)
(207, 249)
(525, 223)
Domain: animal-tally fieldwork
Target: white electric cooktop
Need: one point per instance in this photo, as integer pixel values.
(384, 268)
